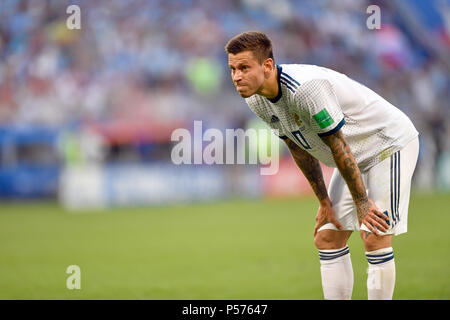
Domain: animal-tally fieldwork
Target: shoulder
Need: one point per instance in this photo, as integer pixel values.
(289, 76)
(307, 79)
(300, 73)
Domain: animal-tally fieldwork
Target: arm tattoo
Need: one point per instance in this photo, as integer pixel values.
(310, 167)
(349, 170)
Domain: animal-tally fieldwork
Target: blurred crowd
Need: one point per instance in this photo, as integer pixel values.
(165, 61)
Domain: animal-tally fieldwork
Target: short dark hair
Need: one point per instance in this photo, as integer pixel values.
(256, 42)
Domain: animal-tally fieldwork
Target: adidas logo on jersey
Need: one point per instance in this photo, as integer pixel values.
(274, 119)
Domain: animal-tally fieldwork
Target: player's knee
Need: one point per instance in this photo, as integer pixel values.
(372, 242)
(329, 239)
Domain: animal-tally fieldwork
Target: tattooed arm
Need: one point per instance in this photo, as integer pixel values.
(310, 167)
(347, 166)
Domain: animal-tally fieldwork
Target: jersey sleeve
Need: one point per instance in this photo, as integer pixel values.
(318, 99)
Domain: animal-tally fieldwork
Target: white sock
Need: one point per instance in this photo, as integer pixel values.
(381, 278)
(337, 274)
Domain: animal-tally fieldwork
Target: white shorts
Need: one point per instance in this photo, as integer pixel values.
(388, 184)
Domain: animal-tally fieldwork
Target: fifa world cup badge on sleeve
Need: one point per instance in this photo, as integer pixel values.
(323, 118)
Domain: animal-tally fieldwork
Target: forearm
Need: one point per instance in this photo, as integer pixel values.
(349, 170)
(311, 170)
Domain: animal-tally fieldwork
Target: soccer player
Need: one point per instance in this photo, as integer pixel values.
(323, 115)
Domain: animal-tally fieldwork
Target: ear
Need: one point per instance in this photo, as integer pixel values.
(268, 65)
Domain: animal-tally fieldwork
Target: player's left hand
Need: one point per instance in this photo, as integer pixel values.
(374, 219)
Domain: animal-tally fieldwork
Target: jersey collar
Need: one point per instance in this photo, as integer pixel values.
(278, 97)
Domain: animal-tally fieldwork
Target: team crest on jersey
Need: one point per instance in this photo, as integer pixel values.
(297, 119)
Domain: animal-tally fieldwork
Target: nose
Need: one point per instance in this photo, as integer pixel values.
(237, 76)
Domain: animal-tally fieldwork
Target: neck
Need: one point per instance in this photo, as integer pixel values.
(269, 88)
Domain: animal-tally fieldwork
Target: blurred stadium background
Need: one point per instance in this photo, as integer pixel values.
(86, 176)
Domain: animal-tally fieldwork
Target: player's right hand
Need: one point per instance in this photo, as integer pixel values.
(324, 215)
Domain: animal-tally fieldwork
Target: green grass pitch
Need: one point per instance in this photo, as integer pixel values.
(257, 249)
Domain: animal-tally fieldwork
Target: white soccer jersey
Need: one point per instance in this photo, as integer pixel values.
(315, 101)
